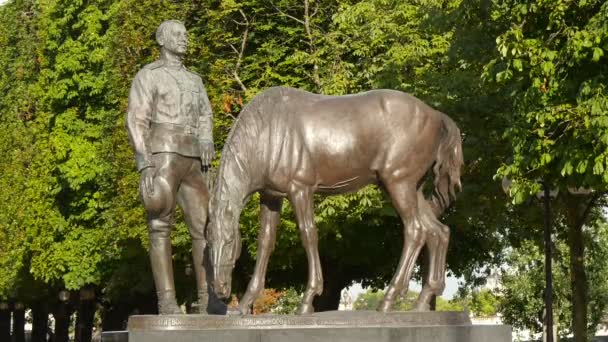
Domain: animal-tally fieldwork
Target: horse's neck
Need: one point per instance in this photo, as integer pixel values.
(241, 171)
(238, 181)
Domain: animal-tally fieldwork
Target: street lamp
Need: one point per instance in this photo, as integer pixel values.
(64, 296)
(548, 262)
(546, 196)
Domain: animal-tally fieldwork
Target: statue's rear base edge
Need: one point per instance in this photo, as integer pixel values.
(469, 333)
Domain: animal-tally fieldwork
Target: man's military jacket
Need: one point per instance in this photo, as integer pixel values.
(169, 111)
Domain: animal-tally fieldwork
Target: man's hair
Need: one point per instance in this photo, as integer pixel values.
(163, 27)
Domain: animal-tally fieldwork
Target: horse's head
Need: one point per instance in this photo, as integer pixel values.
(224, 244)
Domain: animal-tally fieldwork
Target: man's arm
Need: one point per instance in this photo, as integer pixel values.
(139, 114)
(206, 129)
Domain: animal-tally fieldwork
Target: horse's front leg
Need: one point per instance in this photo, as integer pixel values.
(270, 214)
(302, 201)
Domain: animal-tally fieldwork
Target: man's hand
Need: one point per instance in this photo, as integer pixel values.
(147, 180)
(207, 153)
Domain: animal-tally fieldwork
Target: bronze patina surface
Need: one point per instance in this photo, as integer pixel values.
(328, 319)
(170, 124)
(288, 143)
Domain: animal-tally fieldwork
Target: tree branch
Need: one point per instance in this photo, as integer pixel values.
(286, 14)
(311, 44)
(581, 220)
(241, 52)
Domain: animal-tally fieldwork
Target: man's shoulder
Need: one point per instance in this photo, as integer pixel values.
(194, 74)
(148, 72)
(154, 65)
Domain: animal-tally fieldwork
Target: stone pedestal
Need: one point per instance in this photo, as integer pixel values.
(335, 326)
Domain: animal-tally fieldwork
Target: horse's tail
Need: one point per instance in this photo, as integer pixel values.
(447, 167)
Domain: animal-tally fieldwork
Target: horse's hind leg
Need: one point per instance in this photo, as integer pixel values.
(403, 195)
(302, 201)
(438, 236)
(270, 212)
(437, 244)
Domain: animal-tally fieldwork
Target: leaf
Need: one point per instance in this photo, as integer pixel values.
(567, 169)
(545, 158)
(517, 64)
(547, 67)
(598, 167)
(582, 166)
(597, 54)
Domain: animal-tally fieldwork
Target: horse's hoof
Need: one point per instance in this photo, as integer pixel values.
(421, 308)
(305, 309)
(385, 306)
(245, 309)
(234, 312)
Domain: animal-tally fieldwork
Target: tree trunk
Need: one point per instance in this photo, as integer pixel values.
(5, 322)
(578, 276)
(19, 323)
(115, 317)
(578, 282)
(40, 321)
(86, 314)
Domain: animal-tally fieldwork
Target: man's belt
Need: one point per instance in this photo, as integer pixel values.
(167, 137)
(171, 128)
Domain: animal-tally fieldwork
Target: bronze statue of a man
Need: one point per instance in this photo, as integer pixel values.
(170, 124)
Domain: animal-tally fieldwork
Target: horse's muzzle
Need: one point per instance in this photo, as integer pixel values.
(222, 289)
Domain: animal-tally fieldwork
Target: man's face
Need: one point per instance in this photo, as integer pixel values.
(176, 39)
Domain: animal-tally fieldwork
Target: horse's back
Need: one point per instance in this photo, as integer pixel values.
(344, 142)
(374, 121)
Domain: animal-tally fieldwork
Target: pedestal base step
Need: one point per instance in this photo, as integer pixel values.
(335, 326)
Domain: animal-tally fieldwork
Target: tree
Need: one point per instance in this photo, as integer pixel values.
(484, 303)
(73, 218)
(521, 303)
(552, 55)
(429, 49)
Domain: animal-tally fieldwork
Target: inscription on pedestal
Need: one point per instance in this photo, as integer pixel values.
(323, 319)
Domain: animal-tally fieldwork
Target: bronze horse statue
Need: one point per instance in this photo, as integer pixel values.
(288, 143)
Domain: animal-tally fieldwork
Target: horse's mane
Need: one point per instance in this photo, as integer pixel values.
(244, 138)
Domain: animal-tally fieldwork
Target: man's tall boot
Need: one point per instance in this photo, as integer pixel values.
(198, 253)
(207, 302)
(162, 270)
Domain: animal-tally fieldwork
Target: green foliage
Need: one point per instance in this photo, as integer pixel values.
(288, 302)
(521, 297)
(370, 300)
(67, 81)
(71, 214)
(552, 55)
(449, 305)
(483, 303)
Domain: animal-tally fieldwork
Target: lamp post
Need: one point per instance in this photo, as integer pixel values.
(18, 322)
(548, 264)
(546, 196)
(62, 317)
